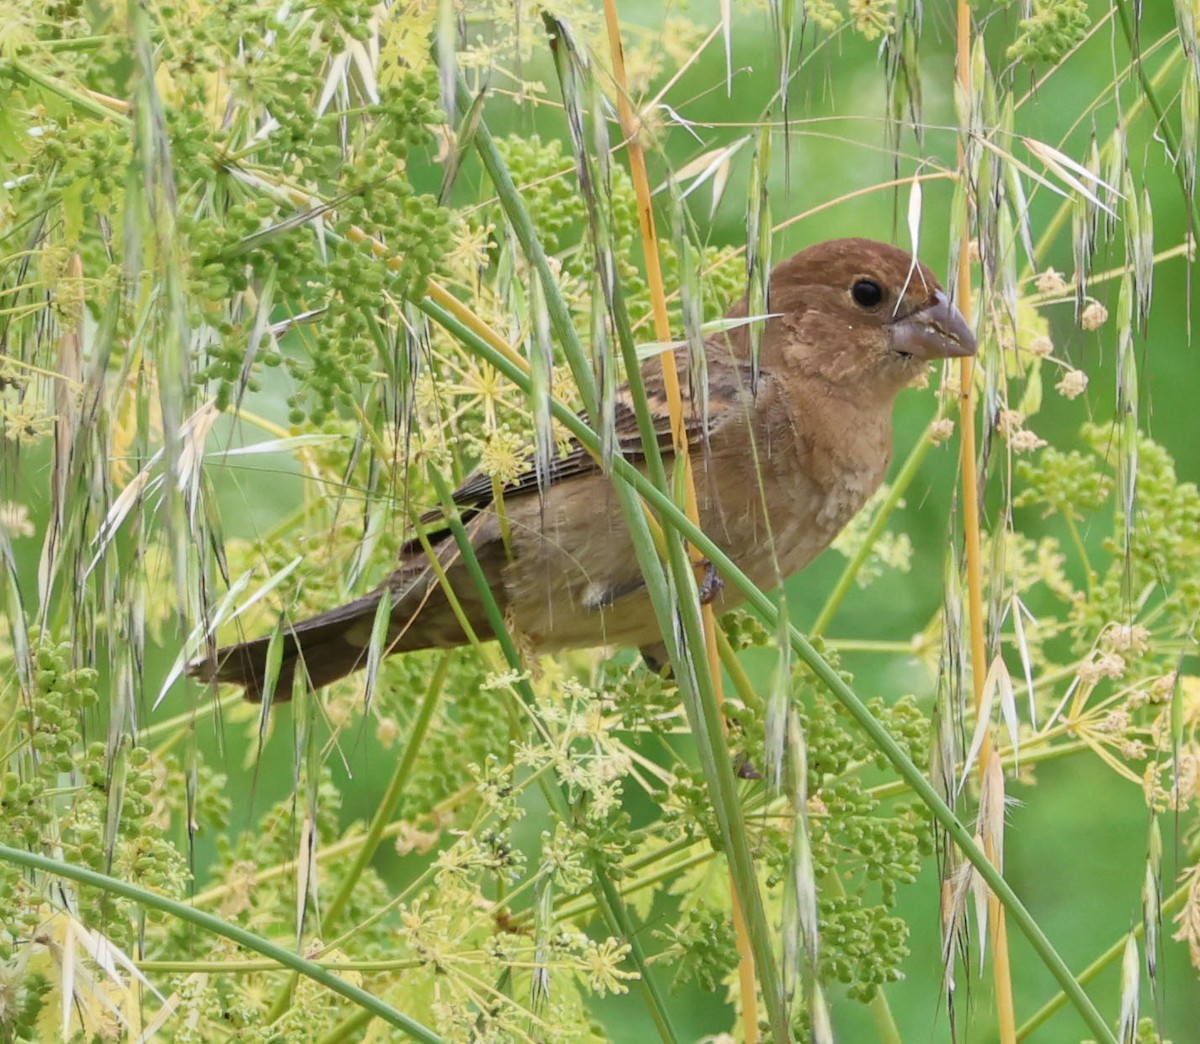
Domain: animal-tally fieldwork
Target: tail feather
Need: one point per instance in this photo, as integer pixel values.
(330, 646)
(333, 644)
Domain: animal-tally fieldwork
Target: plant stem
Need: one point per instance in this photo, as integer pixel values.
(1161, 127)
(904, 478)
(1113, 953)
(388, 804)
(662, 331)
(372, 1006)
(1077, 540)
(1001, 971)
(626, 474)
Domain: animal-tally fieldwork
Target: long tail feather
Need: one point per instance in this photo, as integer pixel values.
(330, 646)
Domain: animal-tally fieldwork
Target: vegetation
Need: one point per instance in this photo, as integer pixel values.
(274, 277)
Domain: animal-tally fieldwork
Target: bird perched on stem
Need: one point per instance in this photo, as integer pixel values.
(779, 469)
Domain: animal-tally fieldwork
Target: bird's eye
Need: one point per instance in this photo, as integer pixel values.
(866, 293)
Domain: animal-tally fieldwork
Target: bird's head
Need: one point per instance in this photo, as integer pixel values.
(860, 317)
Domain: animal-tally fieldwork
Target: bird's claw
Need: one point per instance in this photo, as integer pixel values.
(710, 584)
(744, 768)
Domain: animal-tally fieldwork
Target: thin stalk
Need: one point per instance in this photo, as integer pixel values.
(662, 331)
(1110, 956)
(1161, 126)
(908, 472)
(18, 69)
(388, 804)
(870, 645)
(1001, 968)
(372, 1006)
(608, 899)
(737, 673)
(1077, 540)
(254, 967)
(626, 474)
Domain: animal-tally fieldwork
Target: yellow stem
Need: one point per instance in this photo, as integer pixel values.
(1001, 970)
(662, 330)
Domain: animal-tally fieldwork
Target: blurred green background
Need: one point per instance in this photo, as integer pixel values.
(1076, 843)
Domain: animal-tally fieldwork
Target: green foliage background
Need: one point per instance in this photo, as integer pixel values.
(215, 246)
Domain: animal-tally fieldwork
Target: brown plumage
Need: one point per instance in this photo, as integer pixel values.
(779, 471)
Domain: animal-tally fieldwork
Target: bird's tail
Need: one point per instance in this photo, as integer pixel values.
(329, 646)
(333, 644)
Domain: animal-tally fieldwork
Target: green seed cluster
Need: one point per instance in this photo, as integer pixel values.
(862, 947)
(1054, 27)
(702, 946)
(140, 852)
(239, 236)
(1147, 1032)
(555, 206)
(467, 734)
(744, 630)
(645, 701)
(59, 793)
(50, 722)
(687, 808)
(48, 732)
(1062, 483)
(338, 17)
(23, 997)
(1164, 543)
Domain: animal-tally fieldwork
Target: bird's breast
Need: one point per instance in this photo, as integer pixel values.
(776, 511)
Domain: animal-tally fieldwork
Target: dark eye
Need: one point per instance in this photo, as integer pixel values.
(866, 293)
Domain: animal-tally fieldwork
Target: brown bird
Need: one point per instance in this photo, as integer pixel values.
(780, 468)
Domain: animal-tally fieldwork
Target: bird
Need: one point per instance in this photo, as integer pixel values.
(786, 448)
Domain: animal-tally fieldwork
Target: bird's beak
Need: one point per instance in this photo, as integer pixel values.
(937, 331)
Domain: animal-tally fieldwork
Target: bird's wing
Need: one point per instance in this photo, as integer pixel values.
(727, 385)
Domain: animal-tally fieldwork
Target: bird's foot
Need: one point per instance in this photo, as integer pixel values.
(656, 659)
(710, 584)
(744, 768)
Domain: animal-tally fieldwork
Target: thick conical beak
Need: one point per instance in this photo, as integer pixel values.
(937, 331)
